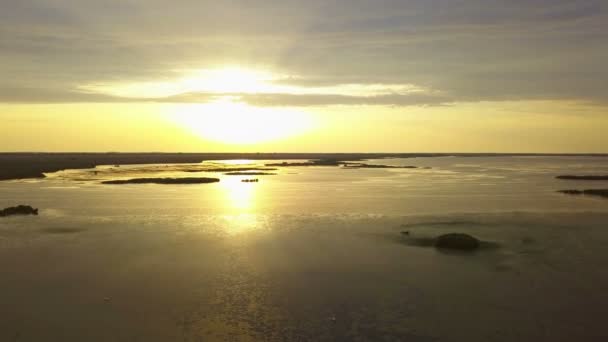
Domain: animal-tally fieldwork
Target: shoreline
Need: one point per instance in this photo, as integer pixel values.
(28, 165)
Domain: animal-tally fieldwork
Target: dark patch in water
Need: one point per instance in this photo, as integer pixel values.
(503, 268)
(589, 192)
(63, 230)
(20, 210)
(528, 240)
(426, 241)
(584, 177)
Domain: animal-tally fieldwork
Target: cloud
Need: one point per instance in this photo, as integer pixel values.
(472, 50)
(307, 100)
(22, 95)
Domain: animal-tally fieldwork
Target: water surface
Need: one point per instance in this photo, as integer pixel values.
(310, 254)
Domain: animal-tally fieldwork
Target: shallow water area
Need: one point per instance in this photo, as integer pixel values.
(310, 254)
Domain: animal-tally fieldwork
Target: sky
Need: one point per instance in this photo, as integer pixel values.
(304, 76)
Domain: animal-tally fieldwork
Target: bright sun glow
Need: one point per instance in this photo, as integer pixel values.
(238, 123)
(213, 81)
(229, 80)
(235, 81)
(239, 195)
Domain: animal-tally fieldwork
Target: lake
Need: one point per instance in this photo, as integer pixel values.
(308, 254)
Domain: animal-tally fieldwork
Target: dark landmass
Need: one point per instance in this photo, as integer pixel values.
(587, 177)
(34, 165)
(18, 210)
(315, 162)
(250, 180)
(457, 241)
(250, 174)
(452, 241)
(286, 164)
(337, 162)
(589, 192)
(163, 181)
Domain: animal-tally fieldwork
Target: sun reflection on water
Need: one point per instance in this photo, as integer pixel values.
(239, 196)
(240, 199)
(237, 162)
(241, 223)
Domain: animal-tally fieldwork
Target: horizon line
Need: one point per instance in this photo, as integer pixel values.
(311, 153)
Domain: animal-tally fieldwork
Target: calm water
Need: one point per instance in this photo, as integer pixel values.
(309, 254)
(501, 184)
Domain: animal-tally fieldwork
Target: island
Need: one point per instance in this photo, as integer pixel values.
(338, 162)
(586, 177)
(451, 241)
(313, 162)
(589, 192)
(458, 241)
(162, 181)
(18, 210)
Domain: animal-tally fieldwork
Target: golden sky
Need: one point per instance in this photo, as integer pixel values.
(295, 76)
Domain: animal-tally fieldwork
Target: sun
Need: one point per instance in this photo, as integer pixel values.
(225, 119)
(238, 123)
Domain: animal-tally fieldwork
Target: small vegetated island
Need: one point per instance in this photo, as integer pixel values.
(589, 192)
(314, 162)
(585, 177)
(451, 241)
(162, 181)
(337, 162)
(18, 210)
